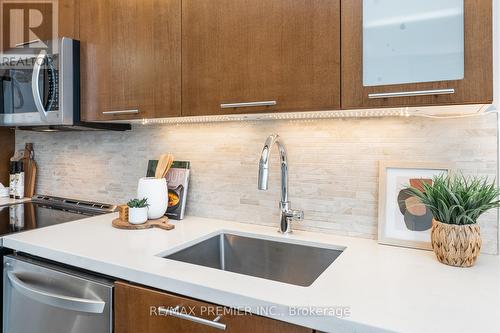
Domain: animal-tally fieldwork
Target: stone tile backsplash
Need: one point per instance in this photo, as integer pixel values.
(333, 165)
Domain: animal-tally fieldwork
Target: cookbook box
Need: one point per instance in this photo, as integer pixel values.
(178, 183)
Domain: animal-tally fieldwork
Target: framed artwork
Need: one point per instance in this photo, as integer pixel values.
(403, 219)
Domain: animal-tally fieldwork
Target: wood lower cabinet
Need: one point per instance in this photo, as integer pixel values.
(136, 311)
(412, 46)
(239, 51)
(130, 59)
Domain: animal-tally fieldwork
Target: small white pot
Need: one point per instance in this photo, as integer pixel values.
(138, 215)
(156, 191)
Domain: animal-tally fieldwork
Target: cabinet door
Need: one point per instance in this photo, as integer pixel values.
(136, 311)
(239, 51)
(68, 19)
(130, 56)
(422, 52)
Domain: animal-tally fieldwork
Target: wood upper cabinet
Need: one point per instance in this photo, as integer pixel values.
(435, 51)
(136, 311)
(68, 24)
(239, 51)
(130, 59)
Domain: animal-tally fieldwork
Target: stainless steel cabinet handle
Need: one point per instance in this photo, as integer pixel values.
(60, 301)
(28, 43)
(175, 313)
(35, 84)
(121, 112)
(246, 105)
(413, 93)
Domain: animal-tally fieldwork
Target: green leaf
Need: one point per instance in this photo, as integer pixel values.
(138, 203)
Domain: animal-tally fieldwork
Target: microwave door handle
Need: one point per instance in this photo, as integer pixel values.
(35, 84)
(53, 299)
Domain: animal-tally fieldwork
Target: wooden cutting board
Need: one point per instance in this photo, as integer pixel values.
(30, 171)
(30, 178)
(161, 223)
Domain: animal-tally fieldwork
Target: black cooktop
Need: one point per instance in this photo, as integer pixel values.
(44, 211)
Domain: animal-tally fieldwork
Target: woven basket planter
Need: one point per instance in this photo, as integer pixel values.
(456, 245)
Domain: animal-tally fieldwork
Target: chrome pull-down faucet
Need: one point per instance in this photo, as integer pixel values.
(287, 215)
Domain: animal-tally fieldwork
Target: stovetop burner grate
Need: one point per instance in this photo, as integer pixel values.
(73, 205)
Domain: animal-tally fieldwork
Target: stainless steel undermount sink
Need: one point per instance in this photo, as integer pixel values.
(273, 260)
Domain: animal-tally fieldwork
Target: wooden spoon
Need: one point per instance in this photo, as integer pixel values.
(162, 164)
(170, 161)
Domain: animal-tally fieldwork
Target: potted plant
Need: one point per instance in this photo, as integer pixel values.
(456, 203)
(138, 211)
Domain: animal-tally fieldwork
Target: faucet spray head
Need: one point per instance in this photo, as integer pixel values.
(263, 178)
(264, 162)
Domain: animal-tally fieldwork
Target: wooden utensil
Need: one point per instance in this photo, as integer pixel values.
(164, 164)
(161, 223)
(170, 161)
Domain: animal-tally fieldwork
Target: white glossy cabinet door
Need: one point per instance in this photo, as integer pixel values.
(402, 53)
(412, 41)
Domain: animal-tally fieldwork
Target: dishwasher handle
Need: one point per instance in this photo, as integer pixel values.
(53, 299)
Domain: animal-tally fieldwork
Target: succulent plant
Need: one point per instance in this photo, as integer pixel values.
(138, 203)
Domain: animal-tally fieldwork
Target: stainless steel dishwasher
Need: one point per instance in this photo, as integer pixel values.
(44, 298)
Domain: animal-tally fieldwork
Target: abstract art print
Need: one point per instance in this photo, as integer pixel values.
(403, 219)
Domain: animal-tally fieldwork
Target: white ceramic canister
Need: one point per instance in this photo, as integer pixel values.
(156, 191)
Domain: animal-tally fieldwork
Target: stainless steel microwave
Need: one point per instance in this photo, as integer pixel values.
(40, 87)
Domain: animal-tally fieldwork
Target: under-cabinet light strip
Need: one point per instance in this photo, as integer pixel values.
(400, 112)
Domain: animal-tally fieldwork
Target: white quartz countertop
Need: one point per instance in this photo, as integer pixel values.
(383, 288)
